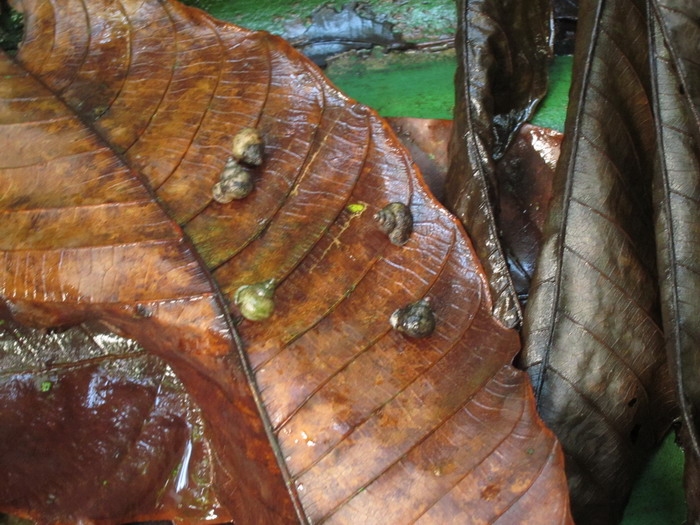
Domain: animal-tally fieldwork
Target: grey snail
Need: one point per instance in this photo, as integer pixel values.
(396, 221)
(234, 183)
(415, 319)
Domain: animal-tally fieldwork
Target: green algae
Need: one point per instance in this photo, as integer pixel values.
(399, 84)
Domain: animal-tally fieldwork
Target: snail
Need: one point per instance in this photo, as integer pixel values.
(415, 319)
(235, 182)
(396, 221)
(255, 300)
(143, 311)
(248, 147)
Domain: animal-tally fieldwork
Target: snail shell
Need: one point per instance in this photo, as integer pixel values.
(248, 147)
(143, 311)
(235, 183)
(396, 221)
(415, 319)
(255, 301)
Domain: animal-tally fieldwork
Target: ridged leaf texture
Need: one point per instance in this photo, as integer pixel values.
(594, 344)
(674, 40)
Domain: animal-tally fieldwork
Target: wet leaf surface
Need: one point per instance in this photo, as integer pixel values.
(84, 239)
(504, 51)
(525, 173)
(322, 411)
(85, 405)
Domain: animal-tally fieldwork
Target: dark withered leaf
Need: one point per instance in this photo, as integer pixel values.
(594, 347)
(503, 50)
(525, 173)
(675, 40)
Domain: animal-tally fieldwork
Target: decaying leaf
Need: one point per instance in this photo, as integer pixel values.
(119, 118)
(83, 238)
(593, 338)
(504, 49)
(675, 37)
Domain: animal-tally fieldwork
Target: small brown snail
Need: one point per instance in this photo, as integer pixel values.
(248, 147)
(235, 182)
(396, 221)
(415, 319)
(255, 300)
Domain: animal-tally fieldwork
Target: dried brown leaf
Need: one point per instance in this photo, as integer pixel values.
(675, 36)
(593, 337)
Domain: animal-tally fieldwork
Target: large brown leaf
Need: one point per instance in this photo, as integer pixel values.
(593, 338)
(83, 238)
(365, 425)
(675, 38)
(504, 49)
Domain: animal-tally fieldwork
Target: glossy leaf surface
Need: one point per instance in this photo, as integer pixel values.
(83, 238)
(593, 337)
(326, 413)
(503, 49)
(102, 426)
(525, 172)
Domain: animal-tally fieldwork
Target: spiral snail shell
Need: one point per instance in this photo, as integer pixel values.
(234, 183)
(396, 221)
(415, 319)
(248, 147)
(255, 301)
